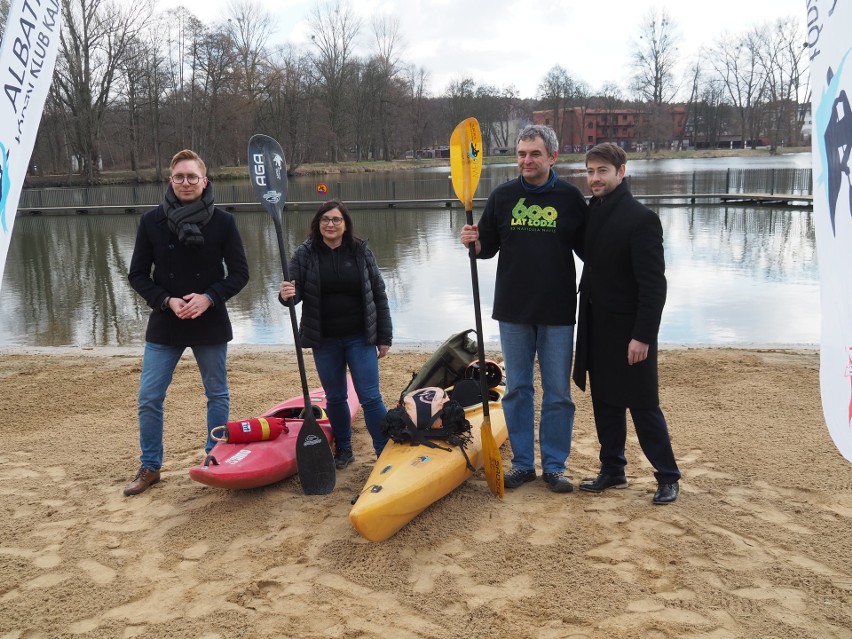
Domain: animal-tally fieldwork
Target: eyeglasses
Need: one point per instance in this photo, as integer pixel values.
(325, 221)
(190, 179)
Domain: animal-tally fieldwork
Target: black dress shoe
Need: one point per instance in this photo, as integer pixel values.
(666, 493)
(602, 482)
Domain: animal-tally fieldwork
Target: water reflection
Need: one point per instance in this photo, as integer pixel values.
(740, 276)
(736, 276)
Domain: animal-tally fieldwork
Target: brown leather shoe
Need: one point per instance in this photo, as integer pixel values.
(144, 479)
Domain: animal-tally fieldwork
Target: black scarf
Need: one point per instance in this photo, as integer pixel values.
(187, 220)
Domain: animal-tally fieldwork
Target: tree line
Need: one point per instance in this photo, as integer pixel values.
(131, 86)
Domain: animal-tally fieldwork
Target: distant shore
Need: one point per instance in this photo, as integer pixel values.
(147, 176)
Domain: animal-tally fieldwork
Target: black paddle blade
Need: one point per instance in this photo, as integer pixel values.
(317, 475)
(268, 173)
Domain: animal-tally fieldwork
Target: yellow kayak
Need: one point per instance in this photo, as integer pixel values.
(408, 479)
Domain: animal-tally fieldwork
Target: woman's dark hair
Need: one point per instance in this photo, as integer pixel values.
(349, 237)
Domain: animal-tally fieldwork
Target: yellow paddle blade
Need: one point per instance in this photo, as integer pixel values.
(466, 160)
(492, 464)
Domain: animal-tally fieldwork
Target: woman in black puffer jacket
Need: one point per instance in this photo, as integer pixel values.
(345, 321)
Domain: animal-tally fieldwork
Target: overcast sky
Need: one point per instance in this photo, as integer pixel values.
(509, 42)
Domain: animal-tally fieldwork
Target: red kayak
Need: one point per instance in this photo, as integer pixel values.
(260, 463)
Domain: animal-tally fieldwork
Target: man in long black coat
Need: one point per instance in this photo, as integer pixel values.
(622, 294)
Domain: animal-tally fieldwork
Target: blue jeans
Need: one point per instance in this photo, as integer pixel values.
(331, 358)
(554, 345)
(158, 367)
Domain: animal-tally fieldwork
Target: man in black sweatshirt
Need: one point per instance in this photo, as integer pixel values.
(535, 222)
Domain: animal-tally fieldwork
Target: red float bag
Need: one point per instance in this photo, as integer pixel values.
(258, 429)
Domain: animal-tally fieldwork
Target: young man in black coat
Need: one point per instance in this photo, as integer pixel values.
(182, 251)
(622, 294)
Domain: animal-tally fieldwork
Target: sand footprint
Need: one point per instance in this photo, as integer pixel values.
(746, 553)
(547, 528)
(431, 570)
(97, 572)
(791, 599)
(759, 509)
(363, 611)
(645, 615)
(48, 557)
(692, 460)
(56, 473)
(196, 551)
(640, 539)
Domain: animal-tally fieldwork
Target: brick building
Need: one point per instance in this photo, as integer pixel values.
(631, 129)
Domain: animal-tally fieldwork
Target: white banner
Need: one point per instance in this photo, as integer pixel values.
(829, 46)
(27, 58)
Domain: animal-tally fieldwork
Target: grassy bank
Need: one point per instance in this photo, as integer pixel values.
(241, 172)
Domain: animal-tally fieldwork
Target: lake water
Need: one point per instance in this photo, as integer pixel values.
(737, 276)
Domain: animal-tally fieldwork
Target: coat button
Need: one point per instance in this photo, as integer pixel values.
(171, 276)
(171, 246)
(198, 276)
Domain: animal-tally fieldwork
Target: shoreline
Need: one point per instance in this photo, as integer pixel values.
(425, 347)
(126, 177)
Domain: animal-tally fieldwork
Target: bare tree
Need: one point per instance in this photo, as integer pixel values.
(581, 101)
(488, 113)
(654, 62)
(735, 58)
(388, 44)
(655, 58)
(415, 83)
(781, 57)
(94, 40)
(365, 84)
(129, 81)
(156, 93)
(334, 28)
(250, 27)
(290, 111)
(711, 113)
(507, 111)
(695, 75)
(216, 84)
(556, 92)
(152, 65)
(182, 36)
(460, 101)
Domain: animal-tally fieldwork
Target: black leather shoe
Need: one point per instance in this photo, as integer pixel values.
(602, 482)
(666, 493)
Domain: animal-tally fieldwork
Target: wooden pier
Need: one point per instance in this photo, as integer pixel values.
(675, 199)
(770, 199)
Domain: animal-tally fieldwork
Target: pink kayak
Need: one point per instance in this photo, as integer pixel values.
(253, 464)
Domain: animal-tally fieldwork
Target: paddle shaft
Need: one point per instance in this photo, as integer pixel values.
(300, 358)
(477, 312)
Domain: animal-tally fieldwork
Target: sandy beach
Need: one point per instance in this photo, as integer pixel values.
(758, 545)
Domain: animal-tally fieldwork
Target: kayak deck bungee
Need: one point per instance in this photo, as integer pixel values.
(260, 463)
(408, 479)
